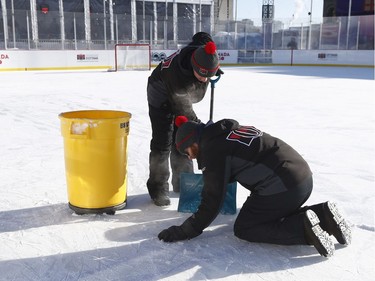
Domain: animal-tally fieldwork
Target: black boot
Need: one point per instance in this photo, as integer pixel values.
(180, 164)
(157, 184)
(159, 194)
(316, 236)
(336, 225)
(332, 221)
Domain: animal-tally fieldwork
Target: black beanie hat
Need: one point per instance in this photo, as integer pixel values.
(187, 133)
(205, 60)
(201, 38)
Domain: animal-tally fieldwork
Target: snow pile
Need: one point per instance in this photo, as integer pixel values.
(79, 128)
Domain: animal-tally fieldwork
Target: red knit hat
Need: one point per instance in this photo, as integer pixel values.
(205, 60)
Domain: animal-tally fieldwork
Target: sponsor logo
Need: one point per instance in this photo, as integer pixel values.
(222, 55)
(156, 56)
(3, 57)
(324, 56)
(87, 57)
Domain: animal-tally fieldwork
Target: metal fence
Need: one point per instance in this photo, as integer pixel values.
(78, 31)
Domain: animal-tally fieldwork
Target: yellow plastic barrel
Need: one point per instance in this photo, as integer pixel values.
(95, 152)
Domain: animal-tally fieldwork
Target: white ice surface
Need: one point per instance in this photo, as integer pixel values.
(326, 113)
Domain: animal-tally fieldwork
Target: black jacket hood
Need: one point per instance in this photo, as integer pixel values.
(221, 127)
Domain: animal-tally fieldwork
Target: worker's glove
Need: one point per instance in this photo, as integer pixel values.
(219, 72)
(196, 119)
(172, 234)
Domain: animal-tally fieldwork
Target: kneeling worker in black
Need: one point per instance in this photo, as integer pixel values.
(279, 179)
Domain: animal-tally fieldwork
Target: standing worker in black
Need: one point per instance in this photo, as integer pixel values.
(279, 179)
(174, 85)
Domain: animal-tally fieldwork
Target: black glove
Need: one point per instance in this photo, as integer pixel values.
(172, 234)
(219, 72)
(196, 119)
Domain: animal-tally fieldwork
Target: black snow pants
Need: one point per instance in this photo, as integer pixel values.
(276, 219)
(163, 148)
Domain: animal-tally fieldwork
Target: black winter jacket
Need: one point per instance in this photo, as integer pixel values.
(173, 82)
(228, 152)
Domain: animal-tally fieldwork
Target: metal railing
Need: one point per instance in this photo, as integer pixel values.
(71, 33)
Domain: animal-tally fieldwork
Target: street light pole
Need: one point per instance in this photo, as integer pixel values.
(13, 27)
(310, 14)
(348, 24)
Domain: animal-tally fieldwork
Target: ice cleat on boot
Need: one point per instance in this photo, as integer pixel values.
(336, 224)
(316, 236)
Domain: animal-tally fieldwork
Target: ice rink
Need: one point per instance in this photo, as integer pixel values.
(325, 113)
